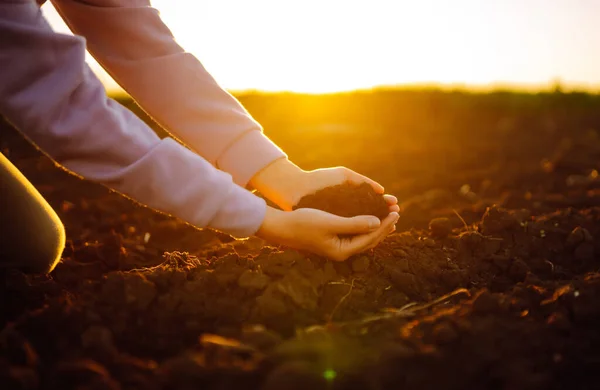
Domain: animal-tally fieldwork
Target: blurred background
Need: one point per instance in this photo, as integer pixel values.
(340, 45)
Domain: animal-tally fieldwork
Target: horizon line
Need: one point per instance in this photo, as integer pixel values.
(432, 86)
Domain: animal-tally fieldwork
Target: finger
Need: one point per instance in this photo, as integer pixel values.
(395, 208)
(387, 227)
(390, 199)
(356, 225)
(381, 238)
(360, 243)
(357, 178)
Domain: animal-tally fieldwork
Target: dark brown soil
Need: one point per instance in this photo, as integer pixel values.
(347, 200)
(506, 300)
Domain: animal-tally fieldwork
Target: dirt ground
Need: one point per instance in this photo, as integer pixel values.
(490, 281)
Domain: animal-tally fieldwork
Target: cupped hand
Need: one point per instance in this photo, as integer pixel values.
(285, 184)
(319, 232)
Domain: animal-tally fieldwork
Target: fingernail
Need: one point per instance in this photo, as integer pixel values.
(396, 218)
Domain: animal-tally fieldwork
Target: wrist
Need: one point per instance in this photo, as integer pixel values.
(272, 226)
(281, 182)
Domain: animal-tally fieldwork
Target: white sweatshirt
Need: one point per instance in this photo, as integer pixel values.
(50, 94)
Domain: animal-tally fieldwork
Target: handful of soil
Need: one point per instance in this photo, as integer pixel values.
(347, 200)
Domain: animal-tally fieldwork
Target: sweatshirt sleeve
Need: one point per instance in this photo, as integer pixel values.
(48, 92)
(129, 39)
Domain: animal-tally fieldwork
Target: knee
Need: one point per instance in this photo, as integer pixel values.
(46, 244)
(36, 244)
(33, 236)
(52, 244)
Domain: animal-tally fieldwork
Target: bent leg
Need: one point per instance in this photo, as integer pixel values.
(32, 236)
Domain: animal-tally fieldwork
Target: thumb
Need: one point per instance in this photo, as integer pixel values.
(356, 225)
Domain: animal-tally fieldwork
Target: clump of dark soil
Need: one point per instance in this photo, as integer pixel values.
(440, 227)
(347, 200)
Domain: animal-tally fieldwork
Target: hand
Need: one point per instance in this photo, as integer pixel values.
(318, 232)
(285, 184)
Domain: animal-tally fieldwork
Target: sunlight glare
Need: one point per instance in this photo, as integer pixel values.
(336, 45)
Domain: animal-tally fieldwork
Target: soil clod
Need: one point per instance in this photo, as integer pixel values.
(440, 227)
(347, 200)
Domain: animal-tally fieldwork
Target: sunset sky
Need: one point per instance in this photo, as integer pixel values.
(333, 45)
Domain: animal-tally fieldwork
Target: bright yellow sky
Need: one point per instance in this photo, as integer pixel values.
(332, 45)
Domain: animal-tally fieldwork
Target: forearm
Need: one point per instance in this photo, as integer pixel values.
(132, 43)
(48, 92)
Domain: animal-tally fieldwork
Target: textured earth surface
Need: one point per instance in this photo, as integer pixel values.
(490, 282)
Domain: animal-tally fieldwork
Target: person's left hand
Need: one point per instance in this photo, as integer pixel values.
(285, 184)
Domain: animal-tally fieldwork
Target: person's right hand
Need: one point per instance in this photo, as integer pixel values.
(318, 232)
